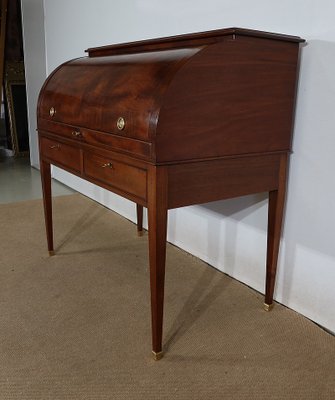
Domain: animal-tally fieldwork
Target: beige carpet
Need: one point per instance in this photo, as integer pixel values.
(76, 325)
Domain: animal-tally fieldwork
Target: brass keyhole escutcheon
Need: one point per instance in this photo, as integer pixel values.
(52, 111)
(120, 123)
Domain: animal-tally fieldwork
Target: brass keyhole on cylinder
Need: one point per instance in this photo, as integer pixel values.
(52, 111)
(120, 123)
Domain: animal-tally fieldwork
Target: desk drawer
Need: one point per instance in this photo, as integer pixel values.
(134, 147)
(61, 154)
(124, 177)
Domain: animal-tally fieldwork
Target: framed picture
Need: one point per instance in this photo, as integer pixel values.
(16, 99)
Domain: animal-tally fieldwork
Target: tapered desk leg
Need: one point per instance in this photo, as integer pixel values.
(157, 218)
(47, 201)
(275, 217)
(139, 212)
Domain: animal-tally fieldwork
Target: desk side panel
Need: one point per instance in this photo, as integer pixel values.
(206, 181)
(233, 97)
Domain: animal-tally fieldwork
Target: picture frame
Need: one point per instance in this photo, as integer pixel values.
(16, 100)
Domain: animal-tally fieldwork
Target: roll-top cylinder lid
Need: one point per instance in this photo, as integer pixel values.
(128, 82)
(96, 92)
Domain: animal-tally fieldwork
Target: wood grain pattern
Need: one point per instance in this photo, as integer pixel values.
(61, 154)
(122, 144)
(119, 175)
(241, 103)
(137, 83)
(197, 39)
(208, 116)
(205, 181)
(275, 217)
(47, 201)
(157, 220)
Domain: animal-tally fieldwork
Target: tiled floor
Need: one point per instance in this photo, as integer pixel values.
(19, 181)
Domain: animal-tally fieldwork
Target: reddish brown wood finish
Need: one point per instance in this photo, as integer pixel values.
(251, 90)
(124, 177)
(206, 116)
(192, 39)
(47, 201)
(157, 221)
(205, 181)
(62, 154)
(137, 83)
(275, 217)
(139, 214)
(108, 141)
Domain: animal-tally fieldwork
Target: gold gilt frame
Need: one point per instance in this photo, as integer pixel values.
(14, 76)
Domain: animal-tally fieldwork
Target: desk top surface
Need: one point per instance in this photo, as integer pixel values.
(181, 41)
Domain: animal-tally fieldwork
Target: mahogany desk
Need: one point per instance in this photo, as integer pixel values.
(172, 122)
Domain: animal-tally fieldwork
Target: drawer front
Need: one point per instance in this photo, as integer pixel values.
(61, 154)
(64, 130)
(134, 147)
(116, 174)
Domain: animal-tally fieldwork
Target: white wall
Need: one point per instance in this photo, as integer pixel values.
(231, 235)
(35, 64)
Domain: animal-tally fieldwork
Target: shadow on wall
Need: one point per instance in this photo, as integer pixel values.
(248, 209)
(210, 231)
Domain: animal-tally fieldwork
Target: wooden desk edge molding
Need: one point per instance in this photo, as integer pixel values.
(172, 122)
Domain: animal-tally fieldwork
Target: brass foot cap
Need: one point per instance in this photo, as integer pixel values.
(157, 356)
(268, 307)
(140, 233)
(51, 253)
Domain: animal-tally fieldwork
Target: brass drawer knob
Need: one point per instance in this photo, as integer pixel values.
(107, 165)
(55, 146)
(52, 112)
(76, 134)
(120, 123)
